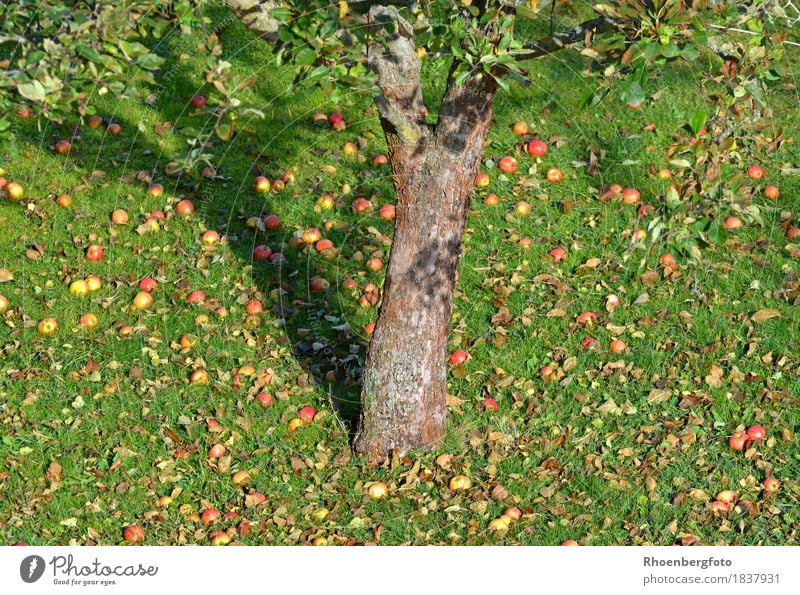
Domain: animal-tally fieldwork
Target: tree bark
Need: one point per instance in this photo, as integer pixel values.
(404, 383)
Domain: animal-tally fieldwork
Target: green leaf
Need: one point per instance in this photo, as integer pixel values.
(502, 83)
(281, 14)
(32, 90)
(697, 120)
(305, 57)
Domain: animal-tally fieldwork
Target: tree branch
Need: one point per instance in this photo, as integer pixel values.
(391, 55)
(559, 41)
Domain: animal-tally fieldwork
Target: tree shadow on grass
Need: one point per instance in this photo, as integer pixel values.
(316, 325)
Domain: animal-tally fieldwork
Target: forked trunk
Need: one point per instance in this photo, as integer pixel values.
(404, 382)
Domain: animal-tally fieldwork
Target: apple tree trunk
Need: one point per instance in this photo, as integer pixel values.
(404, 384)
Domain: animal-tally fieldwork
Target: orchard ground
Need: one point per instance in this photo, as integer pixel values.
(625, 446)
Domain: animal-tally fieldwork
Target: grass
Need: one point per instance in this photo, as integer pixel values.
(96, 427)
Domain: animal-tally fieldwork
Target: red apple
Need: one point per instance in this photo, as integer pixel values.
(64, 200)
(94, 253)
(216, 451)
(618, 346)
(756, 433)
(589, 343)
(490, 404)
(646, 210)
(520, 128)
(335, 117)
(738, 441)
(387, 212)
(184, 207)
(272, 222)
(732, 223)
(198, 102)
(133, 533)
(508, 165)
(361, 205)
(482, 180)
(772, 192)
(198, 296)
(569, 542)
(307, 414)
(318, 284)
(209, 516)
(537, 148)
(793, 233)
(667, 260)
(88, 321)
(491, 200)
(771, 485)
(62, 147)
(148, 284)
(278, 185)
(630, 196)
(558, 254)
(380, 160)
(374, 264)
(756, 172)
(586, 317)
(265, 399)
(254, 307)
(458, 357)
(95, 122)
(211, 237)
(261, 252)
(119, 217)
(554, 175)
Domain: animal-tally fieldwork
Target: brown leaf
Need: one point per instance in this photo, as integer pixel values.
(53, 472)
(764, 315)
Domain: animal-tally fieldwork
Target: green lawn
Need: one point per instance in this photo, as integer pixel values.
(615, 449)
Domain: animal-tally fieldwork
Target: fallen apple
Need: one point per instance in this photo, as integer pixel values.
(459, 483)
(94, 253)
(142, 300)
(14, 191)
(554, 175)
(155, 190)
(264, 399)
(119, 217)
(458, 357)
(133, 533)
(755, 172)
(738, 441)
(377, 490)
(508, 165)
(520, 128)
(47, 326)
(261, 185)
(184, 208)
(537, 148)
(307, 414)
(482, 180)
